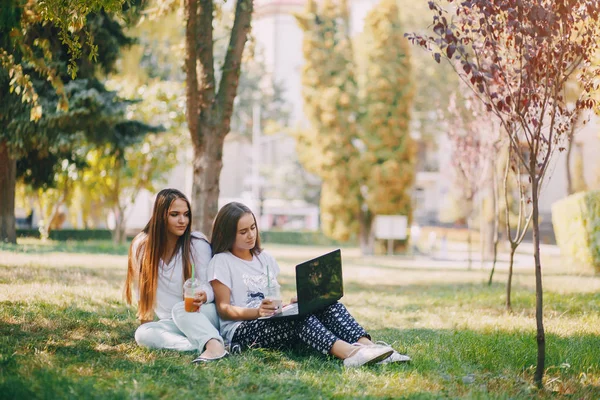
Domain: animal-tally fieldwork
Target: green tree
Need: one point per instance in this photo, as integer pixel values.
(212, 77)
(117, 174)
(210, 106)
(331, 104)
(40, 66)
(389, 155)
(115, 180)
(359, 141)
(48, 178)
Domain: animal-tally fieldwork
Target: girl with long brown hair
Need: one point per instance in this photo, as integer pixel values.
(161, 258)
(241, 272)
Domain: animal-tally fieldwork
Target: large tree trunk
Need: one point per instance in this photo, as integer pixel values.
(366, 238)
(8, 177)
(539, 301)
(208, 162)
(208, 111)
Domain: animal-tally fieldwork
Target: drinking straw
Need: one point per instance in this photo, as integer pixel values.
(193, 275)
(268, 278)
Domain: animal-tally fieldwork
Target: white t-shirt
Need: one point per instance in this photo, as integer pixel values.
(169, 290)
(245, 279)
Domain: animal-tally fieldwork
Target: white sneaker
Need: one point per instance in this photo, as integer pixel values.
(395, 357)
(365, 355)
(201, 360)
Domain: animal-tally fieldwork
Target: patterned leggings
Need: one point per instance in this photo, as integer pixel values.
(319, 330)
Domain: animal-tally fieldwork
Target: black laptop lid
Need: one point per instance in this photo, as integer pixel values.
(319, 282)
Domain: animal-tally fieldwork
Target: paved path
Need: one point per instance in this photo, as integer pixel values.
(455, 257)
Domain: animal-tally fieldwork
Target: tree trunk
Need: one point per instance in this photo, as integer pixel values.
(208, 111)
(570, 138)
(469, 243)
(119, 231)
(568, 166)
(513, 249)
(539, 300)
(207, 170)
(8, 177)
(482, 238)
(366, 238)
(496, 226)
(46, 227)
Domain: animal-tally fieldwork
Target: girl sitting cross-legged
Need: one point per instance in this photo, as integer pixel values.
(161, 258)
(239, 271)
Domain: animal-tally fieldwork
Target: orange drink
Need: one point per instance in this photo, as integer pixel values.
(190, 288)
(189, 305)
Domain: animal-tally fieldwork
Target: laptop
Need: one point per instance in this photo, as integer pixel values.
(318, 284)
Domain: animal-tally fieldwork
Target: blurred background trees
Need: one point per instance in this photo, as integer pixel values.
(359, 140)
(67, 111)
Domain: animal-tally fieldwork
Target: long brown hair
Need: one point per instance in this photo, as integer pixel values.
(225, 228)
(149, 246)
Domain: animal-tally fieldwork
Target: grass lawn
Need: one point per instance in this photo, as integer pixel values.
(66, 333)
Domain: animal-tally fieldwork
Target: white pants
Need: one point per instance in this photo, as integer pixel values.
(186, 331)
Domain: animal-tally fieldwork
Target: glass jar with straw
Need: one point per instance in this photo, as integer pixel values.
(273, 292)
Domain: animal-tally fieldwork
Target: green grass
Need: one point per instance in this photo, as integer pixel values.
(65, 333)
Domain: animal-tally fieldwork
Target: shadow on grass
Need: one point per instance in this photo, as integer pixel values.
(65, 351)
(51, 351)
(437, 294)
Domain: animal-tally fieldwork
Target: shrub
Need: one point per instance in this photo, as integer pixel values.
(316, 238)
(576, 221)
(308, 238)
(69, 234)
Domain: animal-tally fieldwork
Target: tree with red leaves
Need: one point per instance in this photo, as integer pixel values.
(517, 55)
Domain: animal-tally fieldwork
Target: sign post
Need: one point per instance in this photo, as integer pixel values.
(391, 227)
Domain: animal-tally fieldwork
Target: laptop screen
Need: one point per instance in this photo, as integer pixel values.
(319, 282)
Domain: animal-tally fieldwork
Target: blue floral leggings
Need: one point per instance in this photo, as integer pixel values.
(319, 330)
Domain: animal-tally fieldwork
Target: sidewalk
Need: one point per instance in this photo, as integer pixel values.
(455, 257)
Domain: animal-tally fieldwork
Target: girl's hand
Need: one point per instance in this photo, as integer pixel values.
(200, 299)
(267, 308)
(292, 301)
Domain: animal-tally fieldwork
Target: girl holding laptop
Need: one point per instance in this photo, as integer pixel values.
(240, 271)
